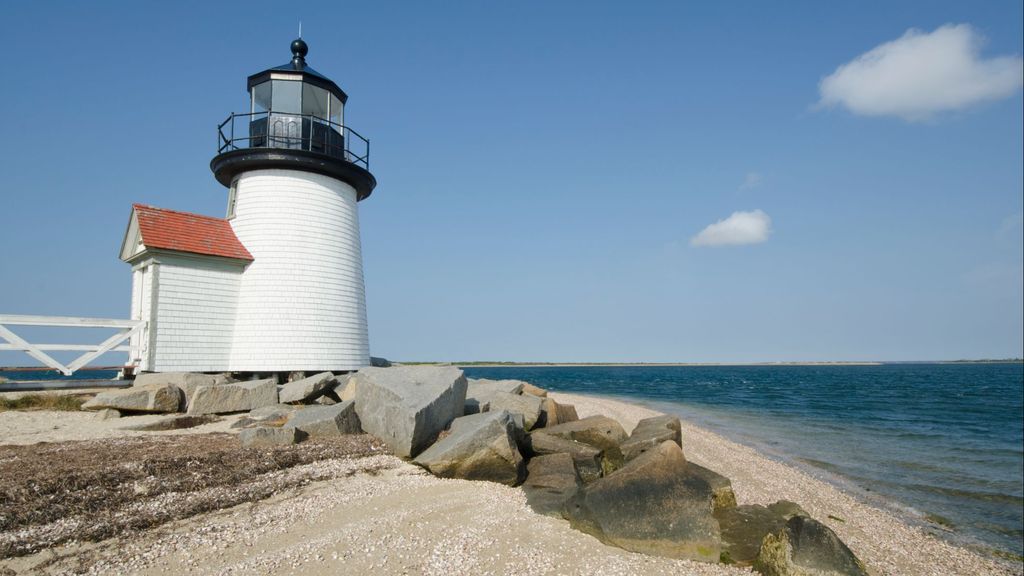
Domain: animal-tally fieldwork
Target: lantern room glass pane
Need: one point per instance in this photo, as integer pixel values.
(287, 96)
(314, 101)
(336, 109)
(261, 97)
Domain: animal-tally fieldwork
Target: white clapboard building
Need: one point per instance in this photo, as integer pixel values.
(277, 284)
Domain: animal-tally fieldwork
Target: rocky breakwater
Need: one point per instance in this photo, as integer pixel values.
(633, 490)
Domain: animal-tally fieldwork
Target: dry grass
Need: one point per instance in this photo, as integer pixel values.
(92, 490)
(62, 402)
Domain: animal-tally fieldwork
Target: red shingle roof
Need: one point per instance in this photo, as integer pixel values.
(185, 232)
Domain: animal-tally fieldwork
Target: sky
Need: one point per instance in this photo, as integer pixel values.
(565, 181)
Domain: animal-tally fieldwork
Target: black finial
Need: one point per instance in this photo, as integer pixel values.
(299, 51)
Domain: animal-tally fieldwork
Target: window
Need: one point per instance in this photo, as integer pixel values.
(232, 196)
(261, 97)
(287, 96)
(336, 110)
(314, 101)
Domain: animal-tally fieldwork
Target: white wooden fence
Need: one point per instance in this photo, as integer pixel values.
(126, 329)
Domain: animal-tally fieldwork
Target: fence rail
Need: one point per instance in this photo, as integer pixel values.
(294, 131)
(125, 330)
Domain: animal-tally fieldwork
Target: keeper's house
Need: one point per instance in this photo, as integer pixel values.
(276, 285)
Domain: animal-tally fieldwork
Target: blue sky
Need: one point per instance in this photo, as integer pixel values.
(546, 168)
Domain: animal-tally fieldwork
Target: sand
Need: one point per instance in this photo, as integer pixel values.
(380, 515)
(42, 426)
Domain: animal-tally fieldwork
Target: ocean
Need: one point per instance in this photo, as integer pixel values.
(941, 445)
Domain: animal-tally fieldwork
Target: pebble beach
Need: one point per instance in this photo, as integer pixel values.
(381, 515)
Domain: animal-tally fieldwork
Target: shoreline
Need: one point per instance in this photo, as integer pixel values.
(761, 478)
(707, 364)
(930, 523)
(648, 364)
(380, 521)
(903, 512)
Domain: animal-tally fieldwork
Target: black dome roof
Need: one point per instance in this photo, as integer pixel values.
(297, 66)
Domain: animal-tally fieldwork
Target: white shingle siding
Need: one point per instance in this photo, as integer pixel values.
(301, 304)
(195, 313)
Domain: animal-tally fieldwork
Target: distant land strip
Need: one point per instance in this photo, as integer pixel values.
(498, 364)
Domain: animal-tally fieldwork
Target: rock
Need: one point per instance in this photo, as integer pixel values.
(269, 437)
(721, 487)
(326, 421)
(272, 412)
(348, 391)
(328, 400)
(233, 397)
(486, 387)
(805, 547)
(172, 422)
(147, 398)
(598, 431)
(181, 379)
(533, 390)
(651, 432)
(651, 505)
(408, 406)
(548, 412)
(108, 414)
(567, 413)
(588, 459)
(379, 362)
(271, 416)
(743, 528)
(787, 509)
(528, 406)
(476, 406)
(478, 447)
(307, 389)
(564, 413)
(521, 435)
(551, 482)
(480, 390)
(187, 381)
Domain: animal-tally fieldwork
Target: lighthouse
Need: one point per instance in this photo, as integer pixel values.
(277, 284)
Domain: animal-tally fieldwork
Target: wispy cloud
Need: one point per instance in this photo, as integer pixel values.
(751, 180)
(739, 228)
(921, 74)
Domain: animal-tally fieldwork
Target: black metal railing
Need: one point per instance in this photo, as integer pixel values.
(295, 132)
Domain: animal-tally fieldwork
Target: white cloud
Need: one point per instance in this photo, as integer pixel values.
(752, 180)
(739, 228)
(921, 74)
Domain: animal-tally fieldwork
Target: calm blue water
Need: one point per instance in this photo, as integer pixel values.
(930, 440)
(55, 375)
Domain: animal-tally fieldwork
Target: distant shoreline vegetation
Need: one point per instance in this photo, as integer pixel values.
(496, 363)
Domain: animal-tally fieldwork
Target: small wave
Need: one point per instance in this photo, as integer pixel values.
(822, 464)
(969, 494)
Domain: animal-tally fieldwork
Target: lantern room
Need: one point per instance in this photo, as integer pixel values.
(296, 117)
(294, 106)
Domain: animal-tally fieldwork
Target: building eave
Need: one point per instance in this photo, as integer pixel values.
(156, 253)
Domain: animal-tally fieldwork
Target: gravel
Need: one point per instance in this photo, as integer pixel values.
(380, 515)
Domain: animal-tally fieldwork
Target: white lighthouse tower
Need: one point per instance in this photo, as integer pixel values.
(295, 172)
(276, 285)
